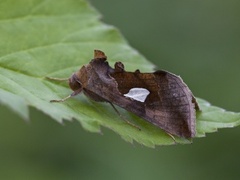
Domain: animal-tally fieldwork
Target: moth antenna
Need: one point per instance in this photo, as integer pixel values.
(123, 118)
(57, 79)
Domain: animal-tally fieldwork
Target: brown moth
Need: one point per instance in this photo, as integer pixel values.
(161, 98)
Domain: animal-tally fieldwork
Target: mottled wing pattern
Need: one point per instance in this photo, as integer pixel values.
(170, 103)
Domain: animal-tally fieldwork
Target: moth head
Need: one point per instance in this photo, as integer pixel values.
(74, 82)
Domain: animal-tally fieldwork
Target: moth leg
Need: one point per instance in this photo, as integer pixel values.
(59, 79)
(69, 96)
(123, 118)
(173, 138)
(61, 100)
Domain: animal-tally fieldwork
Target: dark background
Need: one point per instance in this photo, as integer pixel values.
(198, 39)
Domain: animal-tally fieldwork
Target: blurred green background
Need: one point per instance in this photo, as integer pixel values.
(198, 39)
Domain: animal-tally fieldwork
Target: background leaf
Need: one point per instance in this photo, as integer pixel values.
(55, 38)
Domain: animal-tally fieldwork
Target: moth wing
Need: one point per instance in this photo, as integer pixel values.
(169, 104)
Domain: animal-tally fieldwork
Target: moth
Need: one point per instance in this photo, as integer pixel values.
(160, 98)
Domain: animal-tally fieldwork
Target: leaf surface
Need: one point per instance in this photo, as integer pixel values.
(54, 39)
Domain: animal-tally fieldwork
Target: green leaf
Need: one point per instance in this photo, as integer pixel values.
(211, 118)
(19, 106)
(55, 38)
